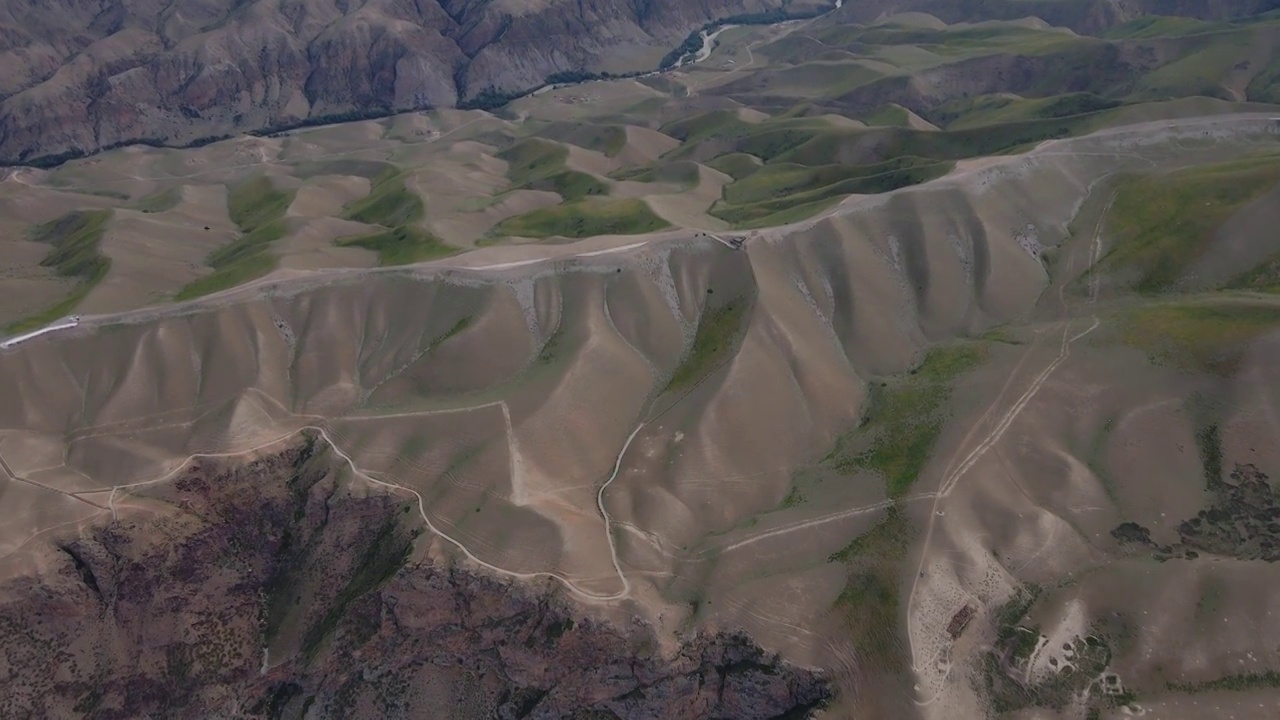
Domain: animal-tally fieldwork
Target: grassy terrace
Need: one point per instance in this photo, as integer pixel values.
(585, 218)
(533, 159)
(783, 192)
(607, 139)
(869, 604)
(681, 173)
(1263, 278)
(389, 203)
(158, 202)
(571, 185)
(719, 330)
(538, 164)
(75, 238)
(257, 207)
(736, 165)
(1206, 334)
(1163, 223)
(401, 246)
(787, 169)
(905, 417)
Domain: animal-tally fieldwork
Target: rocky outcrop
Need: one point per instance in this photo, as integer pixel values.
(81, 76)
(272, 590)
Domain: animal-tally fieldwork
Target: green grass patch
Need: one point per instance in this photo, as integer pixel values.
(454, 330)
(570, 185)
(553, 349)
(721, 123)
(1160, 224)
(888, 116)
(250, 245)
(75, 238)
(682, 173)
(888, 539)
(61, 308)
(225, 279)
(764, 140)
(533, 159)
(735, 165)
(904, 417)
(258, 208)
(1008, 617)
(794, 498)
(538, 164)
(775, 180)
(1199, 69)
(780, 214)
(1265, 277)
(814, 142)
(1206, 335)
(974, 40)
(714, 342)
(159, 202)
(883, 144)
(257, 202)
(870, 602)
(389, 203)
(1001, 334)
(607, 139)
(584, 218)
(401, 246)
(787, 192)
(1209, 443)
(248, 258)
(998, 109)
(1157, 26)
(1268, 679)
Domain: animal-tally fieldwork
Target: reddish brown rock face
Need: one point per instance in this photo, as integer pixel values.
(169, 615)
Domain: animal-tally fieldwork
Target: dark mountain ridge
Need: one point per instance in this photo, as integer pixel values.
(85, 76)
(82, 76)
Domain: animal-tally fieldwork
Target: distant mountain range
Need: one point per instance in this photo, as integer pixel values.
(82, 76)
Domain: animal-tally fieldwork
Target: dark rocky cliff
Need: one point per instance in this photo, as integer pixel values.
(81, 75)
(271, 590)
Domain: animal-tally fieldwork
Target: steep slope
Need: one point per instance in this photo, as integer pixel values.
(254, 589)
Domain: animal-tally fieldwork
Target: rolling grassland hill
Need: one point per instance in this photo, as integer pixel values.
(907, 361)
(1008, 390)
